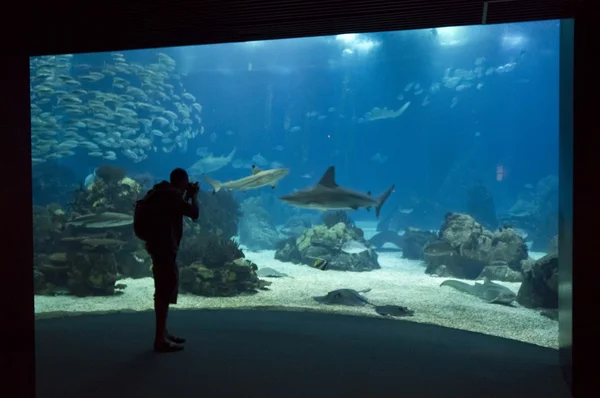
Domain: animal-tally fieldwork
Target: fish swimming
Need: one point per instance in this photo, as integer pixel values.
(210, 163)
(319, 263)
(488, 291)
(353, 247)
(258, 178)
(328, 195)
(105, 219)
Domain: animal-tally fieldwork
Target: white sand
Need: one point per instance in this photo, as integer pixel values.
(400, 281)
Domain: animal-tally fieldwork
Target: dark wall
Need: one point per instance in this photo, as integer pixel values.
(150, 23)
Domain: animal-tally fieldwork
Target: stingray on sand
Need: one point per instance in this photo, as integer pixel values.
(354, 298)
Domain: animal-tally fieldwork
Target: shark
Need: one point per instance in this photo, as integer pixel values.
(257, 179)
(487, 291)
(105, 219)
(211, 163)
(328, 195)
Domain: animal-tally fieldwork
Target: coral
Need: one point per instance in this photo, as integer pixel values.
(330, 218)
(110, 174)
(211, 250)
(322, 243)
(219, 213)
(233, 278)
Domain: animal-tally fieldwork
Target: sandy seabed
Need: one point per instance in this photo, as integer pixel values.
(399, 281)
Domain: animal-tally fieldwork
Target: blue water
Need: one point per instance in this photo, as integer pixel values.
(452, 117)
(251, 89)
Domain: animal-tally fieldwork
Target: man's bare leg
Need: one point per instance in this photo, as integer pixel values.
(162, 343)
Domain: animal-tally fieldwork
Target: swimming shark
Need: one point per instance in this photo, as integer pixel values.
(327, 195)
(105, 219)
(488, 291)
(258, 178)
(210, 163)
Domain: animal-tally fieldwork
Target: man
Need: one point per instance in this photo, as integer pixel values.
(161, 214)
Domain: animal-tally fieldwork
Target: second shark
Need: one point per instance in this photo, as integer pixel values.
(328, 195)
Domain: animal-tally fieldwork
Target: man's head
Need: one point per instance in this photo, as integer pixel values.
(180, 179)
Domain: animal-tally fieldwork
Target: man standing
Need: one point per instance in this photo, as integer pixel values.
(158, 220)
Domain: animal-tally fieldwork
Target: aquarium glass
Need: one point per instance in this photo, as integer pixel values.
(410, 175)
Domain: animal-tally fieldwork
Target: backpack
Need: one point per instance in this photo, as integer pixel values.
(145, 217)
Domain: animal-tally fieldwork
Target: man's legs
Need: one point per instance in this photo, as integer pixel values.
(166, 282)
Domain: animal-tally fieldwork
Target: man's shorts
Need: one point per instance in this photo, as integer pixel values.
(166, 275)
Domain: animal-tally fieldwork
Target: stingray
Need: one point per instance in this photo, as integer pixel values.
(353, 298)
(348, 297)
(487, 291)
(393, 310)
(270, 273)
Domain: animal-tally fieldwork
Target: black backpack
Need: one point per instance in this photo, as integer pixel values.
(144, 217)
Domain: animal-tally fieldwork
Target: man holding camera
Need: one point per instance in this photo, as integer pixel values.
(161, 214)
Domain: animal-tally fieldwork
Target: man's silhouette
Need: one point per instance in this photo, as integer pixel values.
(165, 207)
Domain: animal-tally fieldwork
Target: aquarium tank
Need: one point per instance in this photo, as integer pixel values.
(409, 175)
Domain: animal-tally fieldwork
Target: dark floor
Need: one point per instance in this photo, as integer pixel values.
(285, 354)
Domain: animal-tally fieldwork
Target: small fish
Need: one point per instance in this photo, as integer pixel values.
(353, 247)
(405, 211)
(320, 264)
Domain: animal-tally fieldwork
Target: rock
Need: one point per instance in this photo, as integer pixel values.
(551, 314)
(540, 283)
(91, 274)
(231, 279)
(477, 247)
(414, 241)
(553, 246)
(296, 226)
(500, 272)
(441, 259)
(509, 248)
(288, 251)
(256, 228)
(135, 264)
(325, 243)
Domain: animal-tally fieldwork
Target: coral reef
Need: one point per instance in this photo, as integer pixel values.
(219, 214)
(74, 259)
(324, 243)
(212, 265)
(464, 249)
(229, 279)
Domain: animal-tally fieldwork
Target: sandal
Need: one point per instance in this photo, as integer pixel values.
(167, 347)
(176, 340)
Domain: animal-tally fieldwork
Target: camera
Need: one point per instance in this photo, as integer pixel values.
(194, 187)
